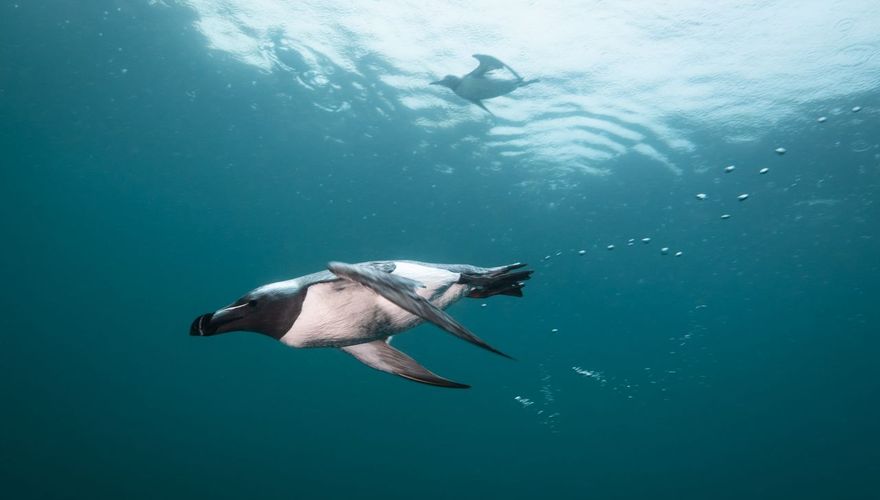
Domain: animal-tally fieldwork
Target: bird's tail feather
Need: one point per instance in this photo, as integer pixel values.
(498, 281)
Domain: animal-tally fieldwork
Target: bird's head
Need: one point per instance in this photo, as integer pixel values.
(269, 310)
(448, 81)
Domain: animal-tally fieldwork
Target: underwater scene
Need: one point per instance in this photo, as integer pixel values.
(440, 250)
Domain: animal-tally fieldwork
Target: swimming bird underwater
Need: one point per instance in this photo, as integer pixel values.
(359, 307)
(476, 86)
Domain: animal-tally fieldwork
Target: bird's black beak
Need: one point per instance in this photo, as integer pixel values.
(221, 321)
(201, 326)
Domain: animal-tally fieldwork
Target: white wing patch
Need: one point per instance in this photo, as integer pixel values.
(431, 277)
(441, 286)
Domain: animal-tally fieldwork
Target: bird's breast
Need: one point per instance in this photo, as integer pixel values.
(484, 88)
(334, 314)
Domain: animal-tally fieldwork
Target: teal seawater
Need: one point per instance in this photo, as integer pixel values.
(134, 200)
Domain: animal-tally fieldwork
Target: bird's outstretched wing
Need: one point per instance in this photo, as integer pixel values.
(402, 292)
(381, 356)
(480, 104)
(489, 63)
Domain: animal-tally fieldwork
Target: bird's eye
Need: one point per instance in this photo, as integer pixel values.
(252, 303)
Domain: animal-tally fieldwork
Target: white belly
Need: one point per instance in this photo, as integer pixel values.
(342, 313)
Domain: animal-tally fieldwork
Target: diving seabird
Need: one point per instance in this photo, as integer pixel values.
(476, 85)
(359, 307)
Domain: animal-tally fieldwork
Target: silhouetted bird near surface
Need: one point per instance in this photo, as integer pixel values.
(476, 85)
